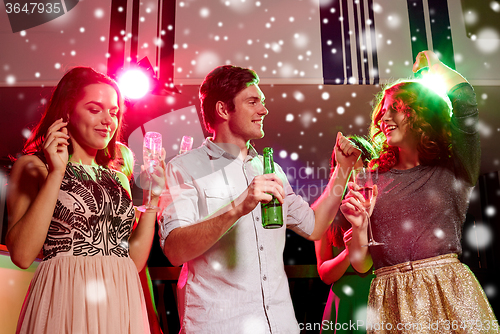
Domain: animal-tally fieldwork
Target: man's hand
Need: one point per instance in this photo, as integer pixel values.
(261, 190)
(346, 153)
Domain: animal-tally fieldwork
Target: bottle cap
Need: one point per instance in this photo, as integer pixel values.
(268, 150)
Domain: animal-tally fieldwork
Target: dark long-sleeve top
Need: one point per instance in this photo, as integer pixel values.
(420, 211)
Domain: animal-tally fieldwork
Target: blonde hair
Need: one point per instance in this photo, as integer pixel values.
(128, 158)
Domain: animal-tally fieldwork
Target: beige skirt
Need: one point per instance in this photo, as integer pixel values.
(84, 295)
(434, 295)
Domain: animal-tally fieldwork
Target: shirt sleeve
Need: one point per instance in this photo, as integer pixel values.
(178, 202)
(299, 215)
(466, 146)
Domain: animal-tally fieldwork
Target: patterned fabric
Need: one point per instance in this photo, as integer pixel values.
(87, 283)
(90, 217)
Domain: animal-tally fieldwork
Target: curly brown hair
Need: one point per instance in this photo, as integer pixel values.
(428, 117)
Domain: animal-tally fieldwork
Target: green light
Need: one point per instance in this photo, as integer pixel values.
(433, 82)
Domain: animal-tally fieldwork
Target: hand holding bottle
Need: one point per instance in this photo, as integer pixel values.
(272, 214)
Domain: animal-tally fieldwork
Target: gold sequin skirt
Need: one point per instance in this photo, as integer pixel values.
(434, 295)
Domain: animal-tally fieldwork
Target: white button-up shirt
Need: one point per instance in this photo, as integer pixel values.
(239, 285)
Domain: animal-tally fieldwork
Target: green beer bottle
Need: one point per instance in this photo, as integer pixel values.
(272, 215)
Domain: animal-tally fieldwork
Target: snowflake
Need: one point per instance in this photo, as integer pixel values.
(348, 290)
(216, 266)
(95, 292)
(478, 235)
(439, 233)
(490, 211)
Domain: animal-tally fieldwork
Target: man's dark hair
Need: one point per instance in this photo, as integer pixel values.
(223, 84)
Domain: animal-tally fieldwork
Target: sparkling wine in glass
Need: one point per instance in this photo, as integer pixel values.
(152, 155)
(363, 178)
(186, 144)
(367, 192)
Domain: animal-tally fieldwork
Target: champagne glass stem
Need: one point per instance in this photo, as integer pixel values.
(369, 227)
(371, 240)
(150, 190)
(148, 206)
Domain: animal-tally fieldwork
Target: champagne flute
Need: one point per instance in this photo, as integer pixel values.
(152, 155)
(363, 178)
(186, 144)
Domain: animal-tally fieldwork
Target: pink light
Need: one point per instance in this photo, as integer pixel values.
(134, 84)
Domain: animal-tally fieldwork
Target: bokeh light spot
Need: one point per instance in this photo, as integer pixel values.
(488, 40)
(478, 235)
(134, 84)
(299, 96)
(95, 291)
(204, 12)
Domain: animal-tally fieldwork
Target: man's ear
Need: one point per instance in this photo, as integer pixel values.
(221, 110)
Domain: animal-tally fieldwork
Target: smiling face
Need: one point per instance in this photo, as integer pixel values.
(394, 124)
(246, 121)
(94, 120)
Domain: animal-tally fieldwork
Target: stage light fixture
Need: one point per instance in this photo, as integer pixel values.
(134, 84)
(141, 79)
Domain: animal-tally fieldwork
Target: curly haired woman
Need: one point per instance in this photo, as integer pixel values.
(428, 164)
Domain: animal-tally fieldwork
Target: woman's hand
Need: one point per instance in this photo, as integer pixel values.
(32, 195)
(430, 60)
(55, 146)
(154, 176)
(427, 59)
(354, 207)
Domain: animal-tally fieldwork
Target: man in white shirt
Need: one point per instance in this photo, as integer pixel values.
(233, 278)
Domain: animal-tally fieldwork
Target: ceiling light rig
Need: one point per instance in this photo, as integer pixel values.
(141, 79)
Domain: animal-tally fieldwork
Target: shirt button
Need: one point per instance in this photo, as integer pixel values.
(264, 278)
(267, 307)
(261, 248)
(257, 218)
